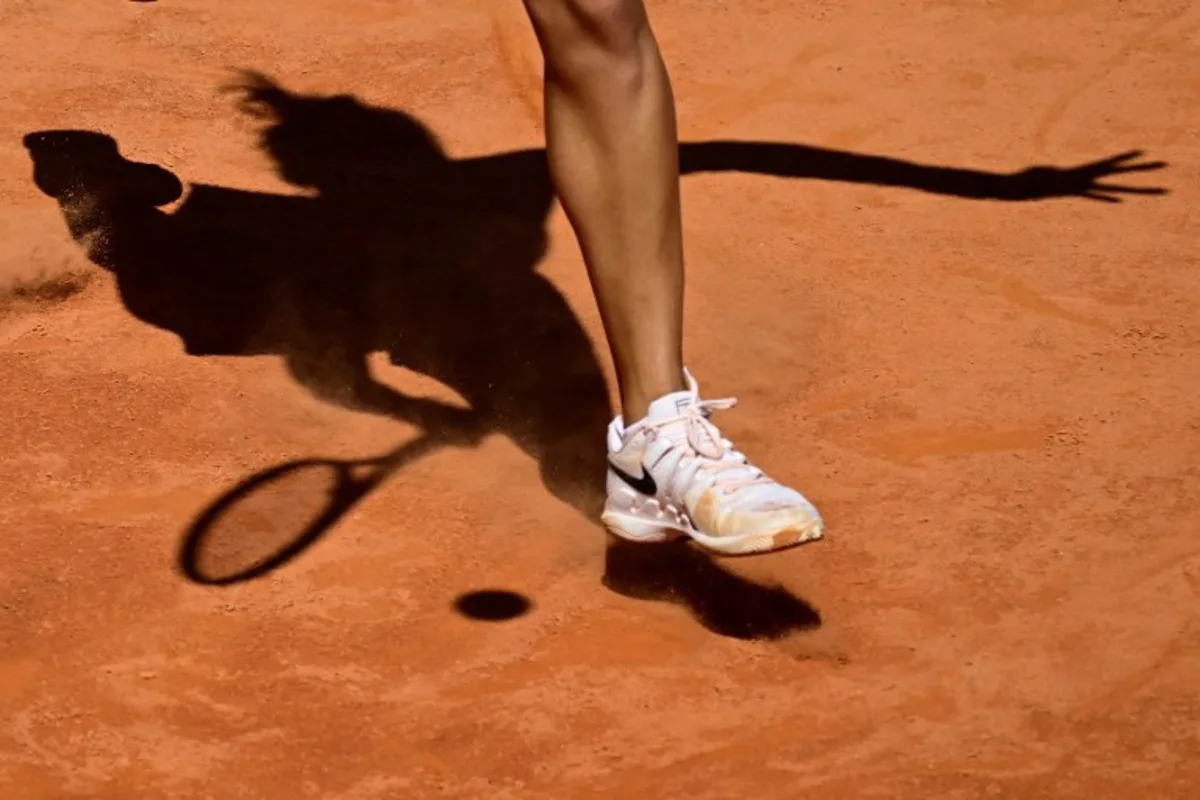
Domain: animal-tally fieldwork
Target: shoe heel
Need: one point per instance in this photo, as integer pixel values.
(632, 528)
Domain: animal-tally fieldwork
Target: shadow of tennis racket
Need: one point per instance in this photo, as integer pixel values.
(274, 515)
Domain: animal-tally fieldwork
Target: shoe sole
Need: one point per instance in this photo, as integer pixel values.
(632, 528)
(766, 542)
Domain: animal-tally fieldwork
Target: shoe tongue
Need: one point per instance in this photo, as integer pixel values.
(671, 405)
(667, 407)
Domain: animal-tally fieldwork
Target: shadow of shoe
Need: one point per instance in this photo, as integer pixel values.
(721, 601)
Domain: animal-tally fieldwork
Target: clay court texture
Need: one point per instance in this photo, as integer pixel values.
(302, 395)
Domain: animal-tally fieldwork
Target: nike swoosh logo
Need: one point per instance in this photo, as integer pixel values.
(645, 484)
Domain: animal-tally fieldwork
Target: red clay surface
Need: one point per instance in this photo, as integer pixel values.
(994, 403)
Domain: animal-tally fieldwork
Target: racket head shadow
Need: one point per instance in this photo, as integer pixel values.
(268, 519)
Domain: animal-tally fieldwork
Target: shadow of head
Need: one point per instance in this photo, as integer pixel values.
(75, 165)
(724, 603)
(336, 142)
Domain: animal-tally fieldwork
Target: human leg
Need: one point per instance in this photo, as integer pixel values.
(613, 153)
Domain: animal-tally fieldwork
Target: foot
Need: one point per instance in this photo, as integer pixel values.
(672, 475)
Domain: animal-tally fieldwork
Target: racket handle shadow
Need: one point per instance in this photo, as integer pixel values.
(353, 480)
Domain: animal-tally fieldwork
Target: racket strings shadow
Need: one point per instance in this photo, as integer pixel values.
(269, 518)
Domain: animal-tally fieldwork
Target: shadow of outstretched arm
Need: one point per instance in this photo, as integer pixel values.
(1035, 183)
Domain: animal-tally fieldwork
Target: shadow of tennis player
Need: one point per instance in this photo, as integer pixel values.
(402, 250)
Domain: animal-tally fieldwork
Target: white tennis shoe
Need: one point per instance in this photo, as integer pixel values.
(673, 474)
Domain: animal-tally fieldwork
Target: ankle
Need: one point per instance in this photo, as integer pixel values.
(637, 397)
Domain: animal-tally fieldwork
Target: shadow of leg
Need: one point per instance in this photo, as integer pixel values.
(573, 470)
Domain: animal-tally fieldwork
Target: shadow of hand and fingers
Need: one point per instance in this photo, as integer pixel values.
(1086, 180)
(397, 248)
(721, 601)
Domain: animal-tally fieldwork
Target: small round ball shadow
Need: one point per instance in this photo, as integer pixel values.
(492, 605)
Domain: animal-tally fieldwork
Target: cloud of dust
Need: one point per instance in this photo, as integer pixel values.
(30, 283)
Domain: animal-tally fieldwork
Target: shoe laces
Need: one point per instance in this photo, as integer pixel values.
(717, 455)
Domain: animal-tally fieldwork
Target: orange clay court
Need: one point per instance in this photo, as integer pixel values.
(232, 567)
